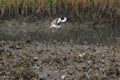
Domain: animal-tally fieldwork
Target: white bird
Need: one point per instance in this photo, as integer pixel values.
(56, 23)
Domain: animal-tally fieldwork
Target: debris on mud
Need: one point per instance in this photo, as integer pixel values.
(49, 61)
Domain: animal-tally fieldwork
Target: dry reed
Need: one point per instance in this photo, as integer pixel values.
(75, 9)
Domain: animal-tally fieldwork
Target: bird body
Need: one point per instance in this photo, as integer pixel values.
(56, 23)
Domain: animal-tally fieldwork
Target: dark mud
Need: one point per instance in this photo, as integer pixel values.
(58, 61)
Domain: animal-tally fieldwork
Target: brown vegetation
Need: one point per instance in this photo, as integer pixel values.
(75, 9)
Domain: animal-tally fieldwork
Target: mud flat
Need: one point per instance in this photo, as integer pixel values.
(58, 61)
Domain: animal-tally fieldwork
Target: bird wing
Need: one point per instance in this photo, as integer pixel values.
(54, 21)
(58, 20)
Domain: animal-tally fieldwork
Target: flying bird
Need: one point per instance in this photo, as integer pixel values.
(56, 23)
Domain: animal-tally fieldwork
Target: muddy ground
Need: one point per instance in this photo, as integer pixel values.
(58, 61)
(26, 59)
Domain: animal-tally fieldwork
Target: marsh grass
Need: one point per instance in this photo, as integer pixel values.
(75, 9)
(86, 32)
(79, 34)
(74, 33)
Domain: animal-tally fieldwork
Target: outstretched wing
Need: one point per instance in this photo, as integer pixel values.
(55, 21)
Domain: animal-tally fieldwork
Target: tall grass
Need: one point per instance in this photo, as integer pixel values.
(75, 9)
